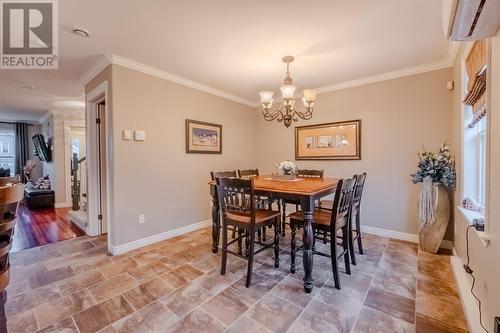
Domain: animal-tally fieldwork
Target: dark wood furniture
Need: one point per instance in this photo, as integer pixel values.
(302, 173)
(237, 203)
(10, 196)
(330, 221)
(306, 190)
(355, 216)
(9, 180)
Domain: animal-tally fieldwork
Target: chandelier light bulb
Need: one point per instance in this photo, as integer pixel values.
(287, 91)
(266, 97)
(309, 95)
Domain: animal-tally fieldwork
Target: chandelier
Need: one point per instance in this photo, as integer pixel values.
(287, 110)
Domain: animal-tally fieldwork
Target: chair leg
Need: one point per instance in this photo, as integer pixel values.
(351, 243)
(240, 242)
(283, 217)
(224, 249)
(292, 245)
(264, 236)
(335, 263)
(276, 243)
(324, 237)
(247, 245)
(358, 232)
(345, 248)
(250, 258)
(259, 235)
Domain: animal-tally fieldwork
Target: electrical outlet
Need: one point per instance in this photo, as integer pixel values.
(497, 324)
(142, 219)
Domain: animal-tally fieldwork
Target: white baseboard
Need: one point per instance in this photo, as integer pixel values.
(445, 244)
(390, 234)
(469, 304)
(62, 205)
(120, 249)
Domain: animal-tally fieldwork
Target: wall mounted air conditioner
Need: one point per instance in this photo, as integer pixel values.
(465, 20)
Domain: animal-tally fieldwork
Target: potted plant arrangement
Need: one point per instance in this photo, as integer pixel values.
(436, 173)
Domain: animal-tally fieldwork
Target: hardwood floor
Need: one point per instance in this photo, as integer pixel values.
(43, 226)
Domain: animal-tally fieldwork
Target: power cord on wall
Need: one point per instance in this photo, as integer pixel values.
(469, 271)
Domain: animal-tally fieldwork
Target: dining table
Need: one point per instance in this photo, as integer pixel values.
(304, 190)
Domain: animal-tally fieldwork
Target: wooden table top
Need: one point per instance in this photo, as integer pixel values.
(307, 186)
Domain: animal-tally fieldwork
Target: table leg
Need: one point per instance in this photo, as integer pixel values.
(307, 239)
(215, 222)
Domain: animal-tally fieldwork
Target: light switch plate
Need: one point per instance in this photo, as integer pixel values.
(127, 135)
(140, 136)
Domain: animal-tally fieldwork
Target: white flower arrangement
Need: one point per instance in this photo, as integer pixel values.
(286, 168)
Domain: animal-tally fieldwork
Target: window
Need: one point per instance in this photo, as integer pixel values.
(7, 152)
(480, 150)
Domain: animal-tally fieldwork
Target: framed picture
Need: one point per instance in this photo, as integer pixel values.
(203, 138)
(332, 141)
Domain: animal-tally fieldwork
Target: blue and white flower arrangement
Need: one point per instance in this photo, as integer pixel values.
(286, 168)
(438, 168)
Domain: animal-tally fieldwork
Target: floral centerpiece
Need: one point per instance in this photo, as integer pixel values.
(438, 168)
(286, 168)
(436, 171)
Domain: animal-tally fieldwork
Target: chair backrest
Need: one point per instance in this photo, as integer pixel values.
(307, 173)
(358, 192)
(10, 196)
(249, 173)
(218, 174)
(10, 180)
(236, 196)
(342, 204)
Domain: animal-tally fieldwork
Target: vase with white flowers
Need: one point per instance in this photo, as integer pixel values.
(286, 168)
(436, 173)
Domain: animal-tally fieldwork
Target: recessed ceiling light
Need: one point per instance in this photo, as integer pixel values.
(82, 32)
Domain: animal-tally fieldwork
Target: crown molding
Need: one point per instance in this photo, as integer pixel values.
(108, 59)
(449, 61)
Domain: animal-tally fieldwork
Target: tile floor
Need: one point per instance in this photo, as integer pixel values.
(175, 286)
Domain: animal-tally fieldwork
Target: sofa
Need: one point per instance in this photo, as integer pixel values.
(38, 198)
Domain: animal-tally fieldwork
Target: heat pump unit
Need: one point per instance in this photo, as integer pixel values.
(466, 20)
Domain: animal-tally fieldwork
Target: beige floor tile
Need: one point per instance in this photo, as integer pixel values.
(373, 321)
(101, 315)
(197, 321)
(80, 281)
(228, 305)
(117, 267)
(247, 325)
(47, 277)
(23, 322)
(182, 275)
(258, 288)
(274, 313)
(149, 271)
(112, 287)
(185, 299)
(392, 304)
(61, 308)
(155, 317)
(30, 299)
(293, 291)
(148, 292)
(64, 326)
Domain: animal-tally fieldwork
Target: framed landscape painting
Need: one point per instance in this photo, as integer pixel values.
(331, 141)
(203, 138)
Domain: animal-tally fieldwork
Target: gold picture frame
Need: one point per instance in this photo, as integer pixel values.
(329, 141)
(203, 138)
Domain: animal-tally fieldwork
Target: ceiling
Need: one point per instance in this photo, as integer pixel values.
(234, 46)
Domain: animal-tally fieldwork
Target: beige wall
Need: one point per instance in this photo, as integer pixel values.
(398, 116)
(156, 177)
(483, 260)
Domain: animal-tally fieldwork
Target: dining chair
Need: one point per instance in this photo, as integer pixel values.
(10, 196)
(262, 202)
(329, 221)
(355, 232)
(301, 173)
(238, 209)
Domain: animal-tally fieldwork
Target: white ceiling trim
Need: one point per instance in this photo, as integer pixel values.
(445, 63)
(108, 59)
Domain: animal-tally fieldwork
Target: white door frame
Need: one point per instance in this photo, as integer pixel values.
(67, 155)
(96, 96)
